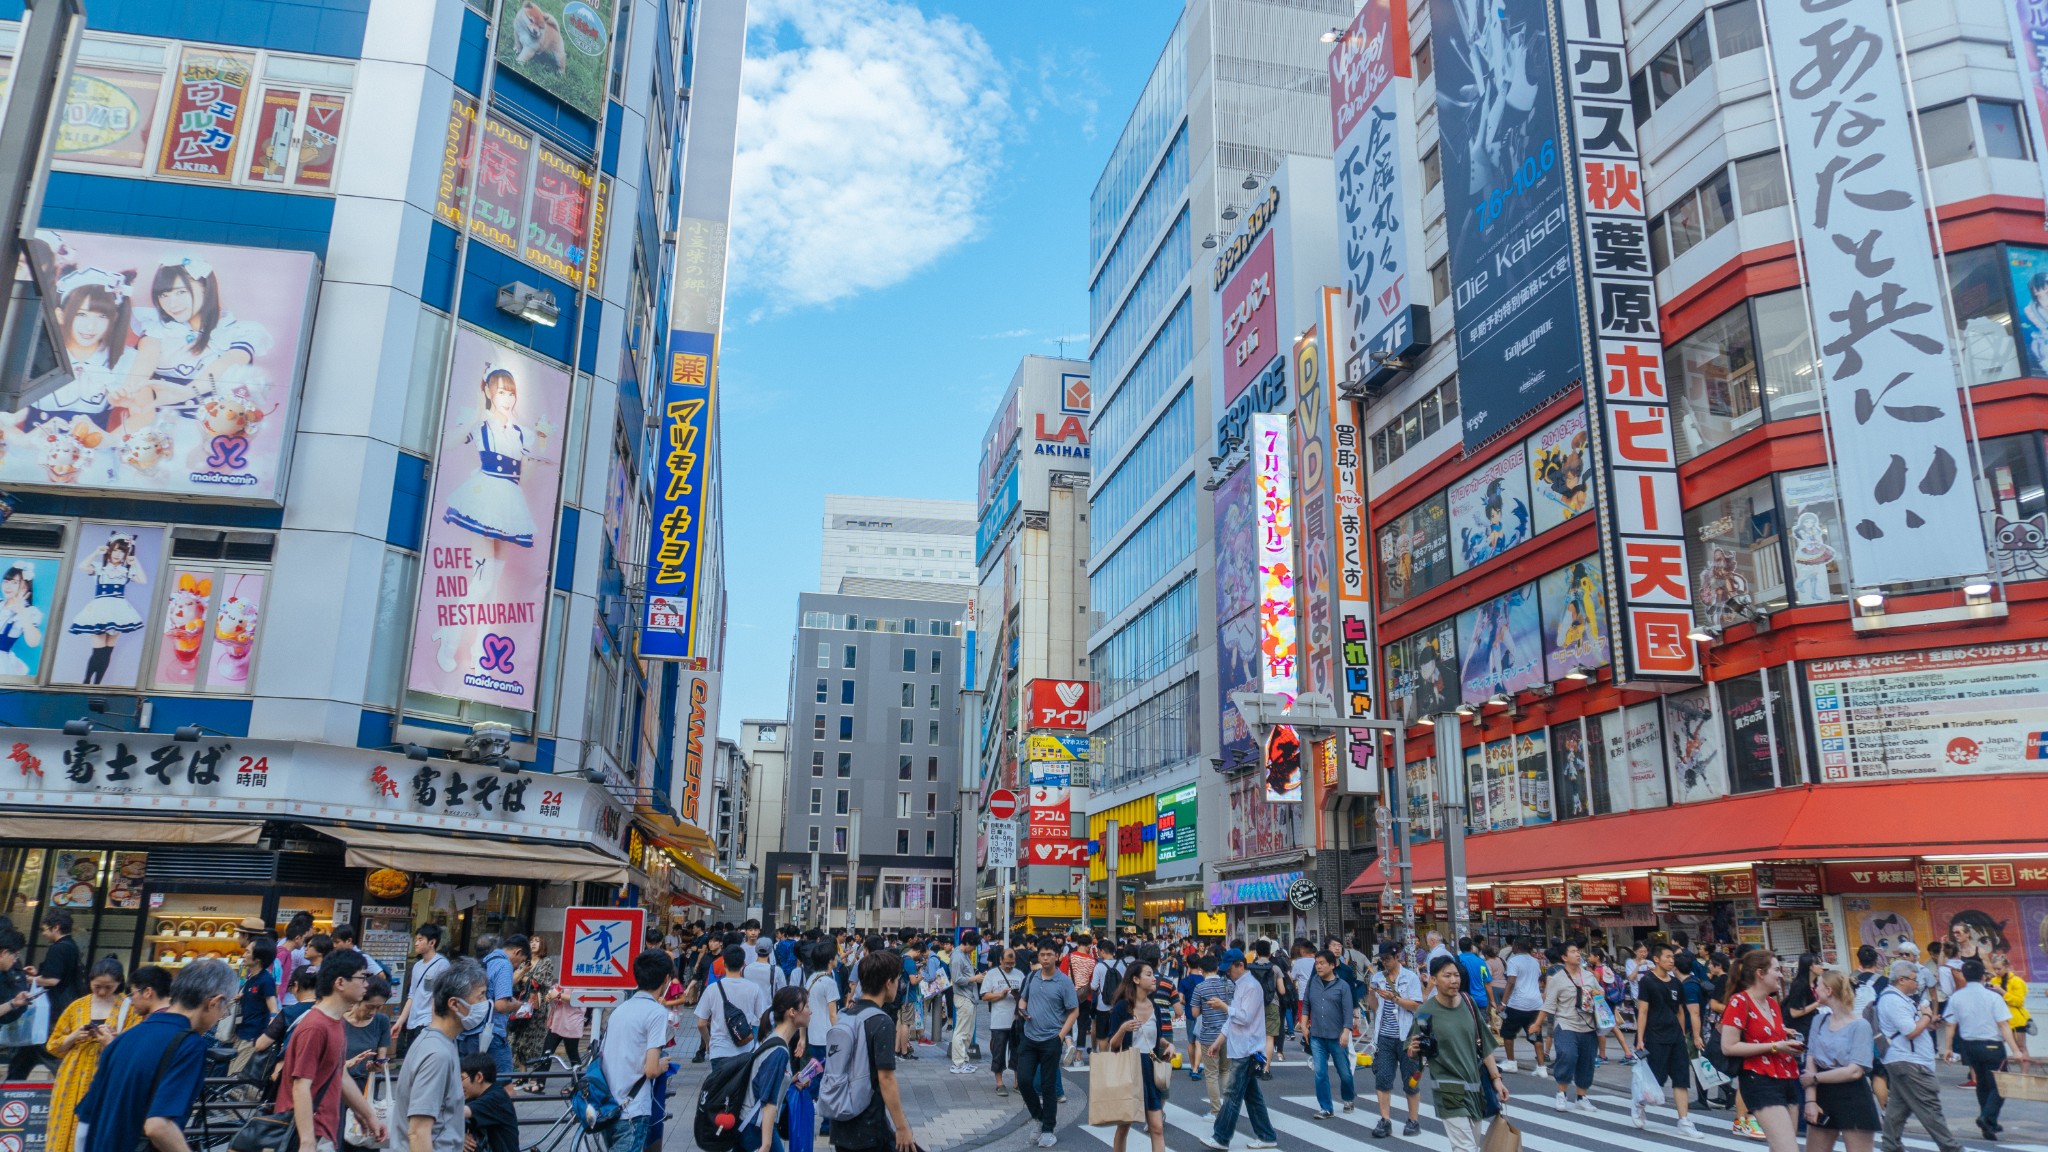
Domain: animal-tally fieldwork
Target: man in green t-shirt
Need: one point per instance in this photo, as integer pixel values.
(1464, 1053)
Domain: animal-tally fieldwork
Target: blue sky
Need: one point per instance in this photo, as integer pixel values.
(910, 218)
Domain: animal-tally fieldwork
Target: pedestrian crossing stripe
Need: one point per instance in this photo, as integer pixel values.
(1543, 1128)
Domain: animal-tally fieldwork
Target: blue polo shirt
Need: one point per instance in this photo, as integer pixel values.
(125, 1090)
(498, 986)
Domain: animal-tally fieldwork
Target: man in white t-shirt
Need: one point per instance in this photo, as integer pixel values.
(999, 988)
(419, 994)
(634, 1036)
(1981, 1038)
(760, 969)
(1303, 969)
(740, 993)
(1524, 1004)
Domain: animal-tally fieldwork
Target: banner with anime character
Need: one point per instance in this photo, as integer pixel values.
(491, 527)
(185, 363)
(1501, 644)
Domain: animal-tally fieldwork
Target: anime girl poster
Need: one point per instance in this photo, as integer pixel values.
(1490, 510)
(1977, 925)
(1501, 644)
(1236, 565)
(185, 362)
(1886, 923)
(1817, 539)
(1238, 671)
(491, 527)
(1574, 618)
(1560, 471)
(101, 631)
(28, 590)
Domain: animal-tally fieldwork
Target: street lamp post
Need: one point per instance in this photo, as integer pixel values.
(852, 870)
(1313, 714)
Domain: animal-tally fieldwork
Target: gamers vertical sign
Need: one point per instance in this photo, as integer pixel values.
(681, 470)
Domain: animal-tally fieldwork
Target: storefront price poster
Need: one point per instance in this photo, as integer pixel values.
(1946, 712)
(491, 527)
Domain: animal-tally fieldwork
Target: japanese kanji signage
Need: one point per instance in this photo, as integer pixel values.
(1642, 533)
(209, 99)
(1946, 712)
(1273, 513)
(1901, 447)
(532, 201)
(1311, 431)
(1371, 235)
(1351, 572)
(681, 470)
(228, 777)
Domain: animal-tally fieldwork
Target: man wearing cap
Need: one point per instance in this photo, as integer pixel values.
(1394, 994)
(1244, 1042)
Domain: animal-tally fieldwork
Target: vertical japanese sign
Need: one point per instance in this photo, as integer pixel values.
(1312, 453)
(1642, 531)
(496, 208)
(554, 227)
(681, 469)
(1273, 511)
(1902, 452)
(208, 99)
(1505, 210)
(1371, 238)
(1353, 576)
(491, 533)
(2028, 20)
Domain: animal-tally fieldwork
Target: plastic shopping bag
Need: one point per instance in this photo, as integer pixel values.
(1711, 1078)
(31, 1029)
(1603, 1016)
(1643, 1086)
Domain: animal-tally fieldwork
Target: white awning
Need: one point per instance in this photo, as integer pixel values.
(462, 856)
(98, 829)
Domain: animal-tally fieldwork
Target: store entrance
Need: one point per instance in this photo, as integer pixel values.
(102, 891)
(469, 912)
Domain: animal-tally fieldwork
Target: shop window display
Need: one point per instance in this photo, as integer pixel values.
(1983, 312)
(1819, 551)
(1633, 754)
(1734, 550)
(1699, 769)
(2015, 506)
(1713, 373)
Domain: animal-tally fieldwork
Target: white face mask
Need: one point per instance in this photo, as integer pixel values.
(477, 1014)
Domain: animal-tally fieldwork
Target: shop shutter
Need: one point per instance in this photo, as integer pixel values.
(177, 864)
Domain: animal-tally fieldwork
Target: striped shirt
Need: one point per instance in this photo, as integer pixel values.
(1212, 1016)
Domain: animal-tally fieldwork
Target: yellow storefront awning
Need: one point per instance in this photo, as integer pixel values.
(698, 871)
(684, 835)
(460, 856)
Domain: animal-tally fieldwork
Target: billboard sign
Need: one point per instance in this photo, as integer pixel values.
(107, 116)
(2028, 22)
(682, 469)
(1901, 443)
(1945, 712)
(1501, 642)
(1311, 434)
(1273, 509)
(1176, 823)
(1059, 704)
(491, 527)
(562, 46)
(209, 102)
(1250, 329)
(1041, 748)
(185, 362)
(1371, 234)
(1642, 532)
(1505, 203)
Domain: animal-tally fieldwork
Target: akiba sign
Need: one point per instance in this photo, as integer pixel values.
(1060, 704)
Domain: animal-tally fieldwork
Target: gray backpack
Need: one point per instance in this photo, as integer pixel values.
(848, 1086)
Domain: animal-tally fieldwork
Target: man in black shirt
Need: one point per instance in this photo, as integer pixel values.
(883, 1124)
(1661, 1033)
(62, 976)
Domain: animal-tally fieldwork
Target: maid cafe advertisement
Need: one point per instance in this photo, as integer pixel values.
(185, 362)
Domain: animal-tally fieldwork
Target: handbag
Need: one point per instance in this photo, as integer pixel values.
(31, 1029)
(1114, 1094)
(1603, 1016)
(1502, 1136)
(1162, 1073)
(379, 1099)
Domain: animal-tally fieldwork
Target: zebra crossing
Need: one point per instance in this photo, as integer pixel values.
(1292, 1106)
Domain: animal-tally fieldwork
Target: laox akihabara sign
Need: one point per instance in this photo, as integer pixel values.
(1060, 704)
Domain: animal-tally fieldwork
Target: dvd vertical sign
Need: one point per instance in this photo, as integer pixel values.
(1642, 533)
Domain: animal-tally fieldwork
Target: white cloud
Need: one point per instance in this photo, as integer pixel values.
(869, 135)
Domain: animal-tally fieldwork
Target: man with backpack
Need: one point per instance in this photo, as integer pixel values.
(630, 1056)
(730, 1010)
(1103, 983)
(858, 1093)
(1273, 984)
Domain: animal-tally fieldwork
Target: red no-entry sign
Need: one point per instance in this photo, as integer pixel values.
(1002, 804)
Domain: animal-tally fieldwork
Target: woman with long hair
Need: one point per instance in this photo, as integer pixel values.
(490, 503)
(531, 984)
(108, 616)
(1802, 998)
(77, 1038)
(21, 622)
(1753, 1031)
(1837, 1074)
(2008, 984)
(1133, 1024)
(788, 1019)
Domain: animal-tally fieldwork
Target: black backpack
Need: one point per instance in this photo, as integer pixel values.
(1112, 977)
(724, 1097)
(1265, 974)
(737, 1025)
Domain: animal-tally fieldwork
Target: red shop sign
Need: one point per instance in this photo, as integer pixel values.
(1592, 897)
(1061, 705)
(1731, 884)
(1507, 896)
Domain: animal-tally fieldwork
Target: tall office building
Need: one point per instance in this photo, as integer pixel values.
(1240, 85)
(896, 538)
(765, 746)
(363, 534)
(875, 728)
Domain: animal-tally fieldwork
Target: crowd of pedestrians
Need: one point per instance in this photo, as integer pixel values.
(822, 1021)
